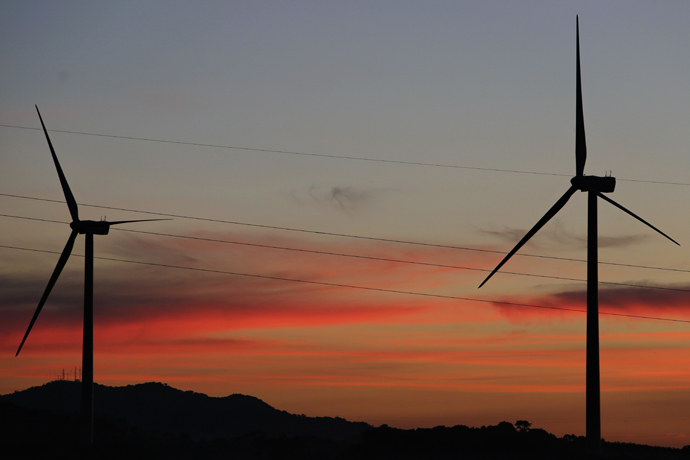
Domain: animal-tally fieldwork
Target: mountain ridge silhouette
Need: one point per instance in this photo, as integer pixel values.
(159, 408)
(156, 421)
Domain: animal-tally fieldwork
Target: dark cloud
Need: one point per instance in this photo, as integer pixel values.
(556, 235)
(343, 198)
(672, 302)
(507, 234)
(20, 291)
(348, 197)
(159, 250)
(632, 299)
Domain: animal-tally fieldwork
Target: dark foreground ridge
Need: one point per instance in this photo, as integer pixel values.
(155, 421)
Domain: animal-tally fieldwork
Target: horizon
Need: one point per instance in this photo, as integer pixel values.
(284, 93)
(524, 423)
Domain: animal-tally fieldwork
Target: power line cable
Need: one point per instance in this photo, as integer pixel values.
(365, 288)
(323, 155)
(358, 256)
(343, 235)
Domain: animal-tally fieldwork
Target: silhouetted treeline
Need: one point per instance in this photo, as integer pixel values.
(502, 441)
(34, 424)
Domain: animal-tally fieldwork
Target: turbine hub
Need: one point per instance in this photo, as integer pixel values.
(96, 227)
(600, 184)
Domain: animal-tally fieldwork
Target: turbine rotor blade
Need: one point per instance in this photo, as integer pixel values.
(580, 143)
(129, 221)
(601, 195)
(550, 213)
(53, 278)
(71, 202)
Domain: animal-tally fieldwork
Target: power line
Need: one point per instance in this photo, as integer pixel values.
(358, 256)
(350, 286)
(323, 155)
(343, 235)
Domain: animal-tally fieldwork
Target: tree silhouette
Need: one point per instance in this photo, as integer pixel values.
(522, 425)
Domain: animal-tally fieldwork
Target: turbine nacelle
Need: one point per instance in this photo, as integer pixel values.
(95, 227)
(599, 184)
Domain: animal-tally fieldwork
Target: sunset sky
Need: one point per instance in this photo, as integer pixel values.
(289, 272)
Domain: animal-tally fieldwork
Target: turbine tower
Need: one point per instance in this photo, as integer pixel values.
(595, 187)
(88, 228)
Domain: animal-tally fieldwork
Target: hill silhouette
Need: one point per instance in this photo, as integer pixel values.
(159, 408)
(155, 421)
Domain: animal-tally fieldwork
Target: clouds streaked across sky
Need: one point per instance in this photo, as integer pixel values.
(484, 85)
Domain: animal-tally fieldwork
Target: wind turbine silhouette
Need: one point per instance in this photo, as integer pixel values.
(88, 228)
(595, 187)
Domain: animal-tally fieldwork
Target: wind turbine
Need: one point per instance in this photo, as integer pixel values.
(88, 228)
(595, 187)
